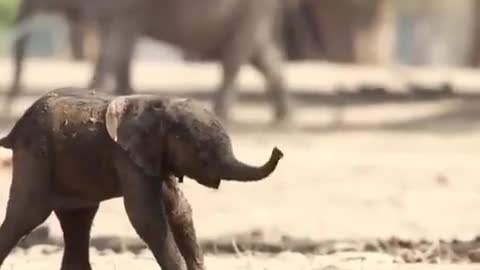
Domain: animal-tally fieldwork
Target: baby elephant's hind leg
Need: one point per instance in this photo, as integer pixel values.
(76, 225)
(179, 213)
(28, 204)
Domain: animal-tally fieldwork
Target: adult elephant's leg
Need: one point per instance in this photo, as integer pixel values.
(237, 52)
(76, 225)
(127, 39)
(117, 42)
(19, 52)
(28, 204)
(146, 212)
(225, 93)
(76, 32)
(268, 60)
(179, 213)
(104, 58)
(18, 60)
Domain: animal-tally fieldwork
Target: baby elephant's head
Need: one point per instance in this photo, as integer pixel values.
(181, 137)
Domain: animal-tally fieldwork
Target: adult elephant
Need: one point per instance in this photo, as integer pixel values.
(234, 32)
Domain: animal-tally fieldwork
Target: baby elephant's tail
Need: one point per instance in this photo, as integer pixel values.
(7, 142)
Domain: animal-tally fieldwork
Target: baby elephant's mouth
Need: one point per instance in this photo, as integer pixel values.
(215, 184)
(210, 183)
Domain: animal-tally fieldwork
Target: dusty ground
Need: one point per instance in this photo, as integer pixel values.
(353, 169)
(36, 259)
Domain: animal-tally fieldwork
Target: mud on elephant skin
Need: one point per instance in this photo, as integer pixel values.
(74, 148)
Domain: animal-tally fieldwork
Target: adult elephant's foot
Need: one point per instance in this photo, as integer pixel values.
(284, 123)
(282, 113)
(9, 97)
(224, 117)
(122, 91)
(221, 111)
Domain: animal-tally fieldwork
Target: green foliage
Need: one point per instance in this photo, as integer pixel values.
(8, 11)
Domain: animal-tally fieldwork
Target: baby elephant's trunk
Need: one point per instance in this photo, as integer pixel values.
(236, 170)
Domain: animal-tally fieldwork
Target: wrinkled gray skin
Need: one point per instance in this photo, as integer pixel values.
(74, 148)
(235, 32)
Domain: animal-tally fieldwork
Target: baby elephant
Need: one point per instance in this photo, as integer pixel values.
(74, 148)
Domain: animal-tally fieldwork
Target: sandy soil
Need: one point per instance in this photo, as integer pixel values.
(44, 257)
(353, 171)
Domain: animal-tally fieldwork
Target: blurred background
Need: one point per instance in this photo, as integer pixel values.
(379, 32)
(385, 140)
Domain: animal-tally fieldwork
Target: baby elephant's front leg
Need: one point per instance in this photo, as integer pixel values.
(146, 212)
(179, 213)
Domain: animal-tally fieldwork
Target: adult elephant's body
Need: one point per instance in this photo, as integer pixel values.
(235, 32)
(74, 148)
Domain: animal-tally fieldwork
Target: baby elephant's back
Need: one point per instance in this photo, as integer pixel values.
(81, 145)
(77, 122)
(62, 113)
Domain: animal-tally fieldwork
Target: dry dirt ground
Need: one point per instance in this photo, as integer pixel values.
(357, 168)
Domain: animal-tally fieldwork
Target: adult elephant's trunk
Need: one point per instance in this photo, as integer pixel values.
(236, 170)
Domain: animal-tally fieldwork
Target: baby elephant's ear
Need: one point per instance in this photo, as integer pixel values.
(127, 126)
(113, 117)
